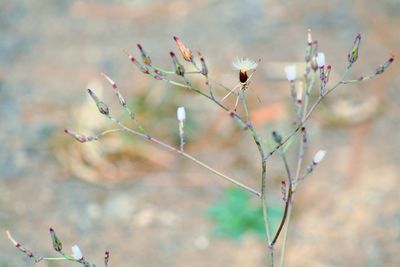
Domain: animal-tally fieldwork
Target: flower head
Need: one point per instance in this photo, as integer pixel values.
(76, 253)
(243, 65)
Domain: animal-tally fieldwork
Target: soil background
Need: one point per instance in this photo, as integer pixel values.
(147, 206)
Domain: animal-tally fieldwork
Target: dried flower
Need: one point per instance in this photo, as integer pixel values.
(319, 156)
(181, 114)
(290, 72)
(76, 253)
(243, 65)
(186, 53)
(320, 60)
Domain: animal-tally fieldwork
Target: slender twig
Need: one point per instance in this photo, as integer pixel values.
(154, 140)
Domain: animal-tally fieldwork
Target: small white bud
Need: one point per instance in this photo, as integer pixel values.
(76, 253)
(290, 72)
(319, 156)
(180, 113)
(320, 60)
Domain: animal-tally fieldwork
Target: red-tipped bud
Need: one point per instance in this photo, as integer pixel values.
(113, 84)
(186, 53)
(385, 65)
(299, 93)
(328, 73)
(204, 69)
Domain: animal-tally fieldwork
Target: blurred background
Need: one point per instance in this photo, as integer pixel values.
(152, 208)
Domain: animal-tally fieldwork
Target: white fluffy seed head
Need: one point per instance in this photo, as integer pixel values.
(180, 113)
(320, 59)
(319, 156)
(76, 252)
(290, 72)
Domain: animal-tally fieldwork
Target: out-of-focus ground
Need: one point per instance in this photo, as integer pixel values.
(346, 213)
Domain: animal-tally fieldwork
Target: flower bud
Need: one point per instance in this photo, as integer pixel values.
(102, 107)
(319, 156)
(204, 69)
(145, 58)
(78, 137)
(320, 60)
(181, 114)
(76, 253)
(353, 54)
(186, 53)
(277, 137)
(57, 245)
(113, 84)
(384, 66)
(290, 72)
(179, 69)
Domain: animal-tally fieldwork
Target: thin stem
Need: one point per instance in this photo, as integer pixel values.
(185, 155)
(287, 202)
